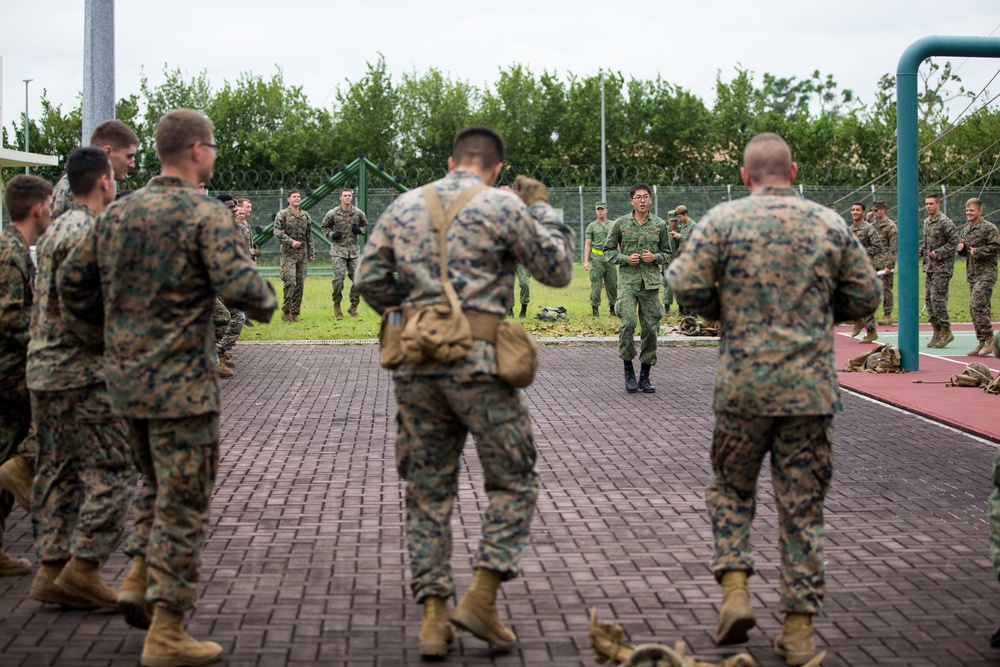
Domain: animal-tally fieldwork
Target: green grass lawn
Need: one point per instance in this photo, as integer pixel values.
(316, 322)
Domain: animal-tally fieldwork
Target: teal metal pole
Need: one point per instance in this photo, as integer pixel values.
(908, 176)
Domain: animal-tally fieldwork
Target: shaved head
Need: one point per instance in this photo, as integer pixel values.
(767, 160)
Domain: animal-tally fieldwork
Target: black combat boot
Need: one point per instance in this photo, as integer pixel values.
(595, 313)
(524, 311)
(611, 310)
(631, 386)
(644, 379)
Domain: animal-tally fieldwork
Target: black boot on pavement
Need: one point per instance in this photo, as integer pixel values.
(644, 384)
(631, 386)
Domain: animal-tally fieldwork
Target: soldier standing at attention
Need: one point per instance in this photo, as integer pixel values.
(29, 204)
(120, 143)
(601, 272)
(980, 244)
(644, 242)
(886, 228)
(871, 241)
(293, 229)
(86, 477)
(440, 403)
(523, 279)
(776, 387)
(938, 253)
(343, 225)
(680, 230)
(159, 365)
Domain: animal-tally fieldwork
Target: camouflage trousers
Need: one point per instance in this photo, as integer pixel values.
(867, 322)
(801, 470)
(602, 274)
(647, 304)
(887, 302)
(293, 278)
(980, 295)
(523, 279)
(434, 416)
(179, 460)
(15, 421)
(85, 477)
(344, 267)
(237, 318)
(936, 298)
(993, 514)
(220, 319)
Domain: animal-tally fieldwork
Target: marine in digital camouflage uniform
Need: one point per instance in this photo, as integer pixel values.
(29, 204)
(602, 273)
(293, 229)
(159, 362)
(938, 253)
(979, 243)
(639, 244)
(871, 241)
(119, 142)
(678, 237)
(440, 403)
(343, 225)
(237, 318)
(886, 228)
(776, 386)
(85, 475)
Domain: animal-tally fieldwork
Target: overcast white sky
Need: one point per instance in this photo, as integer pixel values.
(320, 44)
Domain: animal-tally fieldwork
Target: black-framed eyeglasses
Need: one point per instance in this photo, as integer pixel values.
(641, 197)
(214, 147)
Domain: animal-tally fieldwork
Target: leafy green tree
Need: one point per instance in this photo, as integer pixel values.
(366, 117)
(432, 110)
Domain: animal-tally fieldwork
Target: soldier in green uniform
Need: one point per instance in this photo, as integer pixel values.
(681, 225)
(979, 243)
(293, 229)
(776, 385)
(886, 262)
(439, 403)
(601, 272)
(639, 243)
(871, 241)
(29, 204)
(160, 366)
(85, 474)
(938, 253)
(120, 143)
(343, 225)
(523, 278)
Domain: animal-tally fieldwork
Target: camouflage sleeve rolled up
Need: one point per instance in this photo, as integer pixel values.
(890, 246)
(778, 271)
(16, 298)
(62, 197)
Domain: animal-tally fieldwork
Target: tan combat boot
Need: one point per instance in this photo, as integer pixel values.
(17, 476)
(353, 310)
(82, 579)
(936, 338)
(982, 349)
(858, 328)
(795, 643)
(477, 611)
(285, 317)
(227, 357)
(44, 587)
(337, 312)
(132, 595)
(946, 337)
(167, 645)
(224, 370)
(871, 337)
(885, 322)
(736, 618)
(436, 634)
(10, 566)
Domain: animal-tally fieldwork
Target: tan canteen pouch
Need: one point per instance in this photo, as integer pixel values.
(517, 354)
(390, 345)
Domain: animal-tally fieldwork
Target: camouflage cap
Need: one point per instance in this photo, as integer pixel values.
(680, 209)
(600, 204)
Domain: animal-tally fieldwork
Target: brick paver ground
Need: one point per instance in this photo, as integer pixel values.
(306, 562)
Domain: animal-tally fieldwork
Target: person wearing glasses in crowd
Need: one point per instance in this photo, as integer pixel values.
(639, 243)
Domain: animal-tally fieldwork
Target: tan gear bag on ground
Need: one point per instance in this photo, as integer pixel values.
(888, 361)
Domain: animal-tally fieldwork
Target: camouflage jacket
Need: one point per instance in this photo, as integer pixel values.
(941, 237)
(869, 239)
(890, 243)
(17, 279)
(598, 235)
(984, 239)
(631, 237)
(777, 271)
(291, 226)
(677, 245)
(339, 220)
(64, 352)
(247, 233)
(156, 260)
(62, 197)
(495, 231)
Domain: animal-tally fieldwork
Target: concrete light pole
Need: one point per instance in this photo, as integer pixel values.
(26, 149)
